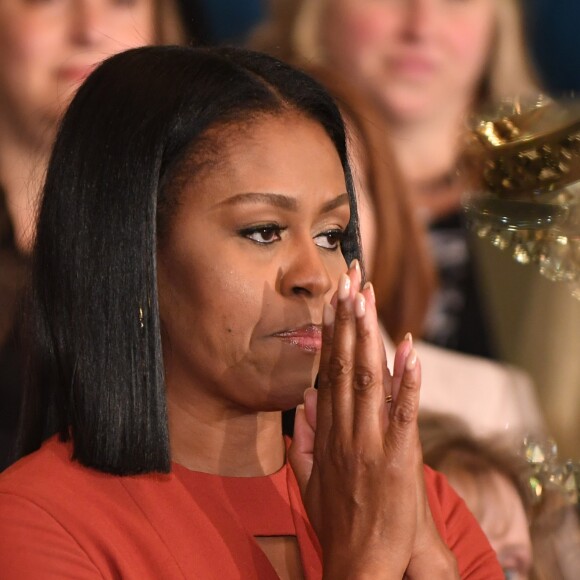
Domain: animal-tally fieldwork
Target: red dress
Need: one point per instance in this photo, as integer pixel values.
(59, 519)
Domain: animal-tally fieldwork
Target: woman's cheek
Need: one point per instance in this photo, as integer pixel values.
(470, 41)
(470, 47)
(358, 33)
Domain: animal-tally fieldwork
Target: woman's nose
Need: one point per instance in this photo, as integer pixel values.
(421, 18)
(89, 21)
(305, 272)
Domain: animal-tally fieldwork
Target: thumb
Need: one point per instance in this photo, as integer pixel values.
(301, 452)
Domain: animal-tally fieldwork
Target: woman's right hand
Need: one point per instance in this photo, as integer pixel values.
(357, 463)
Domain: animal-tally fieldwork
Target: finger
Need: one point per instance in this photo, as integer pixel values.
(355, 275)
(402, 433)
(341, 364)
(324, 396)
(310, 402)
(401, 354)
(301, 451)
(368, 378)
(369, 293)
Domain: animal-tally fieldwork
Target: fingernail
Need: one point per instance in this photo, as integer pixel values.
(343, 287)
(328, 315)
(411, 362)
(409, 337)
(359, 305)
(355, 265)
(368, 286)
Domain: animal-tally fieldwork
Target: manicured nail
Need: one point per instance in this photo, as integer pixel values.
(328, 315)
(409, 337)
(355, 265)
(368, 286)
(343, 287)
(360, 305)
(411, 362)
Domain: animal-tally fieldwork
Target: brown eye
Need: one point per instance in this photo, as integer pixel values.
(264, 234)
(330, 240)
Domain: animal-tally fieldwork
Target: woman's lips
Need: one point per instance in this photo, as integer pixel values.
(412, 66)
(307, 338)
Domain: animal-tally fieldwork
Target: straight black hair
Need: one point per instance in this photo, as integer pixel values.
(138, 122)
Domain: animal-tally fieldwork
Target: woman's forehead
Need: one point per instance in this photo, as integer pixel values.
(288, 155)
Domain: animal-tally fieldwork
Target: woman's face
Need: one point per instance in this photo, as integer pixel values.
(249, 260)
(48, 47)
(415, 56)
(500, 512)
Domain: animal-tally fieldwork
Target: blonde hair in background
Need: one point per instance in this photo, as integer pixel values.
(294, 32)
(510, 71)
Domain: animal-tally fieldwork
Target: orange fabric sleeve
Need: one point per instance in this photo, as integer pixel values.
(34, 545)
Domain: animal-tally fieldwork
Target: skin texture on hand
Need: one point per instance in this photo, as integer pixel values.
(358, 459)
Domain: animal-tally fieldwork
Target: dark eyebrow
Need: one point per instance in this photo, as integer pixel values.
(282, 201)
(342, 199)
(277, 199)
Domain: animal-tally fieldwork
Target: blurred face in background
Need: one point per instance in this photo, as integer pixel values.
(496, 504)
(48, 47)
(415, 56)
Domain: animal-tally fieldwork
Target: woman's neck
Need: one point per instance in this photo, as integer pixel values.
(229, 443)
(428, 149)
(22, 169)
(427, 153)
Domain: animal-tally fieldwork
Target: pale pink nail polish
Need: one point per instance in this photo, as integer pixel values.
(343, 287)
(360, 305)
(411, 362)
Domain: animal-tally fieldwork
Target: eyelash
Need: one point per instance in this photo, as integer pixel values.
(276, 229)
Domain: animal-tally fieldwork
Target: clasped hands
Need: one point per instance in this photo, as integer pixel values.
(356, 451)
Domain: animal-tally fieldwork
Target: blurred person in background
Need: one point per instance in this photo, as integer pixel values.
(428, 64)
(491, 478)
(455, 57)
(46, 50)
(493, 398)
(556, 537)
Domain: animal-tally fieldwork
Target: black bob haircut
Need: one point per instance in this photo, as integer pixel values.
(141, 118)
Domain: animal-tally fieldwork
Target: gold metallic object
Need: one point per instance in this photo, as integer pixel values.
(525, 176)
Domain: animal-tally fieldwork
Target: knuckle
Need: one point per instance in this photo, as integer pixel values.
(339, 366)
(364, 378)
(364, 333)
(410, 385)
(405, 413)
